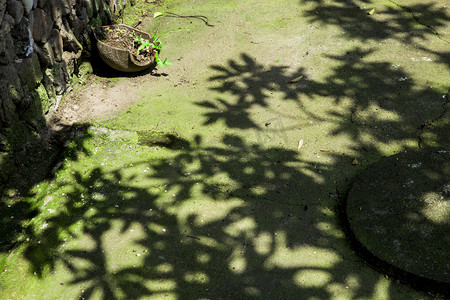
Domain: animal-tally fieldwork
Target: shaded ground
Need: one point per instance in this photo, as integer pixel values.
(402, 203)
(223, 178)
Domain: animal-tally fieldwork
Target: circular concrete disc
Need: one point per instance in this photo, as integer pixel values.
(399, 209)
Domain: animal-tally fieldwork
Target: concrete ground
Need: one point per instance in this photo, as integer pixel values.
(224, 175)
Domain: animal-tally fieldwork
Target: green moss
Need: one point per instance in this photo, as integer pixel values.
(41, 94)
(75, 79)
(161, 139)
(17, 134)
(139, 10)
(29, 71)
(436, 134)
(15, 94)
(242, 198)
(95, 22)
(40, 104)
(6, 166)
(90, 8)
(84, 71)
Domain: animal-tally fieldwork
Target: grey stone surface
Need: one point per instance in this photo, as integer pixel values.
(70, 42)
(48, 52)
(7, 50)
(16, 10)
(42, 25)
(28, 5)
(29, 71)
(41, 3)
(57, 44)
(399, 210)
(60, 77)
(11, 82)
(2, 9)
(7, 107)
(66, 6)
(6, 25)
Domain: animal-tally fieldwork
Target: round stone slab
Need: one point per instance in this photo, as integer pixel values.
(399, 209)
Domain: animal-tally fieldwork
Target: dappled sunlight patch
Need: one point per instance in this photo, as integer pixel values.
(203, 258)
(327, 211)
(196, 277)
(352, 281)
(381, 290)
(120, 246)
(243, 227)
(204, 211)
(330, 229)
(80, 242)
(248, 170)
(436, 208)
(348, 286)
(269, 174)
(161, 285)
(252, 291)
(158, 229)
(312, 278)
(164, 268)
(238, 262)
(260, 190)
(389, 147)
(167, 198)
(210, 242)
(166, 296)
(377, 114)
(315, 176)
(300, 256)
(263, 243)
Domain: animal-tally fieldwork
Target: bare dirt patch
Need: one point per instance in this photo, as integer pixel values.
(95, 101)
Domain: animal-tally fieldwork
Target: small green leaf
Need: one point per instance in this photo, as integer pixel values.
(296, 79)
(157, 14)
(371, 12)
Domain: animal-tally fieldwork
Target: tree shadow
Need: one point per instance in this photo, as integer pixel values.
(385, 103)
(251, 84)
(29, 147)
(204, 235)
(31, 163)
(366, 98)
(237, 219)
(414, 24)
(395, 21)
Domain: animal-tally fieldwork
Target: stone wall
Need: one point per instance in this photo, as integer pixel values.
(41, 45)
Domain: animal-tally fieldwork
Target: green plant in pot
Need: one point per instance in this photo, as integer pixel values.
(145, 46)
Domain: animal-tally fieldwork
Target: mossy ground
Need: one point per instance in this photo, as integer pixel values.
(246, 203)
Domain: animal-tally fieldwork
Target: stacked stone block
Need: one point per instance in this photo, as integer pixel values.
(41, 43)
